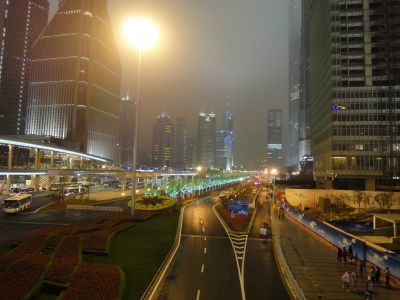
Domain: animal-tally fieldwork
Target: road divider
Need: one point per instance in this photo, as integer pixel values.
(96, 208)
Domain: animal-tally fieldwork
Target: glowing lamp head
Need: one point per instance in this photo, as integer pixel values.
(274, 171)
(141, 33)
(199, 168)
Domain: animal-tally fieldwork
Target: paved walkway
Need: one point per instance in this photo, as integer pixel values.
(315, 268)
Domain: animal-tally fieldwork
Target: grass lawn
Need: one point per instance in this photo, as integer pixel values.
(5, 248)
(140, 250)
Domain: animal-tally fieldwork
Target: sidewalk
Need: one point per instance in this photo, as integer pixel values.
(314, 265)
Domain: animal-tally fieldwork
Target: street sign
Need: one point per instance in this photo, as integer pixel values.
(238, 207)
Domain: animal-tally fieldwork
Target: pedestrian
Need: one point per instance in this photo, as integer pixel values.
(350, 251)
(387, 278)
(339, 254)
(353, 279)
(369, 289)
(372, 274)
(378, 277)
(346, 280)
(345, 255)
(361, 269)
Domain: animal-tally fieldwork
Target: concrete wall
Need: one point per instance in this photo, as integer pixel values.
(310, 197)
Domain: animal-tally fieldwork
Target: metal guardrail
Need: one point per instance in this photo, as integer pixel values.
(96, 208)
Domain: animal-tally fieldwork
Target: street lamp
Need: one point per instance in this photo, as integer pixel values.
(141, 34)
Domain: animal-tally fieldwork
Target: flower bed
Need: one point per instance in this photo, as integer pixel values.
(153, 203)
(23, 277)
(96, 281)
(30, 245)
(238, 223)
(100, 240)
(64, 261)
(113, 220)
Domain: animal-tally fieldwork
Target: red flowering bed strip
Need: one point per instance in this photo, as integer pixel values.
(29, 245)
(22, 277)
(95, 281)
(99, 240)
(64, 261)
(237, 223)
(111, 221)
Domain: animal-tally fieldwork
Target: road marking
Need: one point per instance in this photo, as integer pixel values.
(205, 238)
(203, 229)
(202, 268)
(198, 295)
(201, 222)
(35, 223)
(202, 236)
(205, 250)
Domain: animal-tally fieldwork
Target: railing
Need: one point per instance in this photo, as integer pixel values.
(96, 208)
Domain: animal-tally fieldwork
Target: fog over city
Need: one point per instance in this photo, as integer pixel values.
(211, 53)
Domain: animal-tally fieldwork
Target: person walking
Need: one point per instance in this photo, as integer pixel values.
(387, 278)
(361, 269)
(339, 254)
(345, 255)
(369, 289)
(372, 274)
(353, 279)
(350, 251)
(346, 280)
(378, 277)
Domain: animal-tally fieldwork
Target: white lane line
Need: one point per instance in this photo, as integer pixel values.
(202, 268)
(198, 295)
(203, 229)
(205, 250)
(205, 238)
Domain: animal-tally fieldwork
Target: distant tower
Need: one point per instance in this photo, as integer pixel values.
(126, 132)
(180, 145)
(274, 138)
(21, 22)
(162, 141)
(206, 140)
(224, 143)
(294, 82)
(75, 82)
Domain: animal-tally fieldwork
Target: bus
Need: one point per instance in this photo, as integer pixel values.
(17, 203)
(74, 190)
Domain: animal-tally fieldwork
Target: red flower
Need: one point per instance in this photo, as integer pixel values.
(95, 281)
(64, 261)
(22, 276)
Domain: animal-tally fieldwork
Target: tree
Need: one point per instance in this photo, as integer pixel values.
(358, 198)
(384, 200)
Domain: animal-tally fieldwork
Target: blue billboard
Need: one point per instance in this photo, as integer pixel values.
(237, 207)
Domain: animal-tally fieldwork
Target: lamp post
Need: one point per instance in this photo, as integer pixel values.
(141, 34)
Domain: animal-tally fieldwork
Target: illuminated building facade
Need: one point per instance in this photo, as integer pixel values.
(224, 143)
(206, 140)
(75, 70)
(274, 139)
(162, 141)
(21, 22)
(355, 92)
(180, 145)
(126, 131)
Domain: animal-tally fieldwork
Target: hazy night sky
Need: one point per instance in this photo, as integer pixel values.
(211, 50)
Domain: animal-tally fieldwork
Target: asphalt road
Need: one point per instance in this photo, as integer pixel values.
(14, 227)
(205, 265)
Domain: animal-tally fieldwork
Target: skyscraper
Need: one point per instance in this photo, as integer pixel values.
(274, 139)
(74, 89)
(180, 145)
(224, 143)
(162, 141)
(305, 149)
(355, 92)
(294, 82)
(21, 22)
(126, 132)
(206, 139)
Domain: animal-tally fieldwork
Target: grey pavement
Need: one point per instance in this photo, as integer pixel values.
(315, 267)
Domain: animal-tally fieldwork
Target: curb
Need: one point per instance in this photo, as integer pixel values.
(289, 281)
